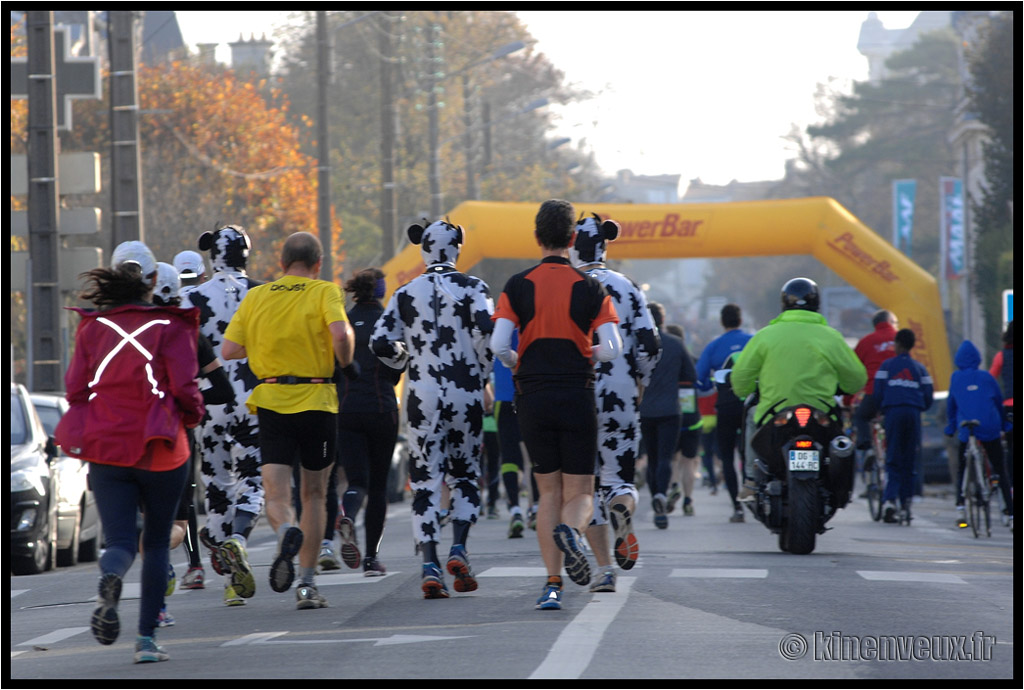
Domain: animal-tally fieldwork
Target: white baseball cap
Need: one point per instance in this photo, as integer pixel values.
(189, 264)
(168, 284)
(135, 252)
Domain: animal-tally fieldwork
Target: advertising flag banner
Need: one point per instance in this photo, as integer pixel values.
(952, 220)
(903, 192)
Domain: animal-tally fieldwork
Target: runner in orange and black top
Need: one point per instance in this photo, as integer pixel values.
(557, 309)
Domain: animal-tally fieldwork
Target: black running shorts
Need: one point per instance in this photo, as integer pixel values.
(559, 428)
(311, 437)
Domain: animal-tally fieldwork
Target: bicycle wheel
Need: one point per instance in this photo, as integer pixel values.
(984, 495)
(874, 490)
(971, 499)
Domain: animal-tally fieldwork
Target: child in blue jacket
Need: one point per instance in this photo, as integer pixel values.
(903, 389)
(974, 395)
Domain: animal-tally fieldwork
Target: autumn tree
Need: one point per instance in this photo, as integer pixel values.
(992, 96)
(517, 165)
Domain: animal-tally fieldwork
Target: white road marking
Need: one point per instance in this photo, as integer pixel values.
(268, 638)
(514, 572)
(56, 636)
(575, 647)
(16, 592)
(755, 573)
(333, 578)
(907, 576)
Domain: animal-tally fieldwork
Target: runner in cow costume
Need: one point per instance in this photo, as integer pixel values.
(230, 442)
(617, 384)
(440, 324)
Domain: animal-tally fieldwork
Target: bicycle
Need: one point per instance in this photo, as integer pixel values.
(976, 486)
(874, 469)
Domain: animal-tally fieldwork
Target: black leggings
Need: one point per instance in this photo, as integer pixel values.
(661, 437)
(366, 442)
(730, 419)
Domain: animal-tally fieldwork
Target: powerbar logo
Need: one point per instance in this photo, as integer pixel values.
(838, 647)
(672, 225)
(845, 245)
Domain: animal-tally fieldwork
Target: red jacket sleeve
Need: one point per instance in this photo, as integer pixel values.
(182, 360)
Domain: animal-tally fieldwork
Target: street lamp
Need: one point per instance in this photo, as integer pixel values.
(432, 105)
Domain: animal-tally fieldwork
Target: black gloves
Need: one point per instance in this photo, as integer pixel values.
(352, 371)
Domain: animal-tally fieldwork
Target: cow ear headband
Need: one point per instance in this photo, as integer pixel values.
(207, 239)
(415, 231)
(607, 230)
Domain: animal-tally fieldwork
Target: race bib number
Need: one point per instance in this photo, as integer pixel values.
(687, 400)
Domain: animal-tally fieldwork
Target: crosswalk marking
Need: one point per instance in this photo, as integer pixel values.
(540, 572)
(55, 636)
(755, 573)
(905, 576)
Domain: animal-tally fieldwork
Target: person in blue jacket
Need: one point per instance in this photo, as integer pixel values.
(974, 394)
(903, 389)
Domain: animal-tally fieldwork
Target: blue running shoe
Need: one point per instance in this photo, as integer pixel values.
(147, 650)
(282, 570)
(433, 582)
(551, 599)
(567, 540)
(458, 566)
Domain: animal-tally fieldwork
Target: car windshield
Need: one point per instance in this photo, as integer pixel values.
(49, 416)
(19, 424)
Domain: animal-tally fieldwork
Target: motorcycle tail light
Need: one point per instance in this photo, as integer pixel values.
(804, 444)
(822, 418)
(803, 414)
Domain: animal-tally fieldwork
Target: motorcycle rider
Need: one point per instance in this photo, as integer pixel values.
(797, 359)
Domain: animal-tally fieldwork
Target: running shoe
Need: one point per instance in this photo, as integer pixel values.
(210, 543)
(194, 578)
(747, 491)
(172, 581)
(737, 516)
(626, 548)
(105, 624)
(492, 512)
(605, 583)
(567, 540)
(516, 526)
(458, 566)
(674, 494)
(687, 507)
(531, 518)
(961, 518)
(233, 554)
(889, 513)
(1007, 518)
(147, 650)
(164, 619)
(328, 559)
(231, 598)
(660, 517)
(373, 568)
(308, 597)
(551, 599)
(349, 542)
(282, 570)
(432, 583)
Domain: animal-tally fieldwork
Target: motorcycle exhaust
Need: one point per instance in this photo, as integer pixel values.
(841, 447)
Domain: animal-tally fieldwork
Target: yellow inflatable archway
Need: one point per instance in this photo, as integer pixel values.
(819, 226)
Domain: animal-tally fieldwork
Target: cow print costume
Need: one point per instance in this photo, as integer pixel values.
(617, 382)
(229, 441)
(440, 324)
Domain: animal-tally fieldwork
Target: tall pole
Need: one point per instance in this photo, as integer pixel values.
(125, 159)
(388, 207)
(435, 164)
(471, 191)
(323, 196)
(45, 372)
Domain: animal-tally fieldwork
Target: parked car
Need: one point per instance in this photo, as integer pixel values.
(34, 482)
(937, 452)
(78, 520)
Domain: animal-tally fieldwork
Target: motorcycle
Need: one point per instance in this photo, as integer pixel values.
(803, 467)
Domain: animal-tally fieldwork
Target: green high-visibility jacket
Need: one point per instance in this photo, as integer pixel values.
(797, 359)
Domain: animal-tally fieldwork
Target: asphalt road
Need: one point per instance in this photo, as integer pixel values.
(707, 599)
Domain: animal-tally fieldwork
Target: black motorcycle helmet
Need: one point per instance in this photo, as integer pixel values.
(800, 293)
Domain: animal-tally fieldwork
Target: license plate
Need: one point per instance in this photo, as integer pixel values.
(803, 460)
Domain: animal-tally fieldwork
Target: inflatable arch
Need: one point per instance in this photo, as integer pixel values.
(819, 226)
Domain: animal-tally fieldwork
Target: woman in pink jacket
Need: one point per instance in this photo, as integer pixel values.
(132, 391)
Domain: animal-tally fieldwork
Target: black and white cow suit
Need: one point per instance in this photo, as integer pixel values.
(617, 382)
(440, 324)
(230, 443)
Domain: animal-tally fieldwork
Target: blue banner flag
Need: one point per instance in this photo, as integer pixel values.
(952, 220)
(903, 192)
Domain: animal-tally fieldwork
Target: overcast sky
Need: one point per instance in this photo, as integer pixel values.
(698, 94)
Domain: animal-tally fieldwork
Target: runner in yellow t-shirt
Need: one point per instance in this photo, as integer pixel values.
(292, 330)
